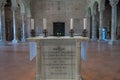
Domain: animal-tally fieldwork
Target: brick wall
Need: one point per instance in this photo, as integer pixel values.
(58, 11)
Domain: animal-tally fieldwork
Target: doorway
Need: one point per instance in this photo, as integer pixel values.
(59, 29)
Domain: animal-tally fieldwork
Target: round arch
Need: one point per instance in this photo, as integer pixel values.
(96, 21)
(8, 21)
(89, 14)
(89, 11)
(95, 5)
(107, 18)
(22, 8)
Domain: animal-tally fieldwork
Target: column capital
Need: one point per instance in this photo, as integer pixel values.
(13, 8)
(113, 3)
(2, 3)
(101, 7)
(22, 14)
(14, 5)
(93, 13)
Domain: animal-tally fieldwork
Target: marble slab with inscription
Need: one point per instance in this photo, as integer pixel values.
(58, 58)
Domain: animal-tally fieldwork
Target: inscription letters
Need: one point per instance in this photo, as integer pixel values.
(59, 62)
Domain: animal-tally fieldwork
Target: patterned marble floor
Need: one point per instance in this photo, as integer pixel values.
(102, 62)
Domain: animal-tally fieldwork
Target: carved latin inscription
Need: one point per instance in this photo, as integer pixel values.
(58, 62)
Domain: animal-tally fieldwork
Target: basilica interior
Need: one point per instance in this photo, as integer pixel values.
(21, 19)
(102, 16)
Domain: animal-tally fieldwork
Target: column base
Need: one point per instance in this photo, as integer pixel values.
(112, 42)
(102, 40)
(3, 43)
(37, 77)
(14, 41)
(81, 78)
(94, 39)
(23, 40)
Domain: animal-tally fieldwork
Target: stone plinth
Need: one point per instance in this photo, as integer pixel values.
(58, 58)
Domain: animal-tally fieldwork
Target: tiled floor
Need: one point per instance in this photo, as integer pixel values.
(102, 62)
(15, 64)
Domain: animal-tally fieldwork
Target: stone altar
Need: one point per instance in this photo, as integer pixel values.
(58, 58)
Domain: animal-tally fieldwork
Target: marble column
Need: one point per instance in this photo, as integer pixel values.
(2, 24)
(23, 27)
(114, 21)
(15, 39)
(101, 23)
(101, 10)
(94, 37)
(28, 24)
(88, 29)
